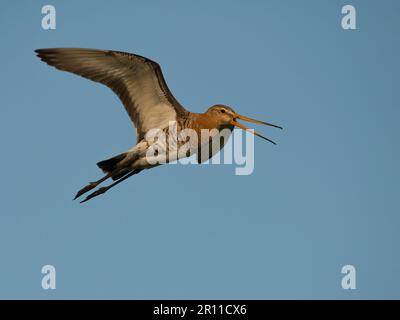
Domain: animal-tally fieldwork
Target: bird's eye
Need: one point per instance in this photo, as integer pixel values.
(222, 110)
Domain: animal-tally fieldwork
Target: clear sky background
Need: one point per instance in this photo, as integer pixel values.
(327, 195)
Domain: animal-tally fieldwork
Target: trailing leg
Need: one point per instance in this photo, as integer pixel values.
(106, 188)
(92, 185)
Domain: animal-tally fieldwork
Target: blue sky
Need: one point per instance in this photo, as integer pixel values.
(325, 196)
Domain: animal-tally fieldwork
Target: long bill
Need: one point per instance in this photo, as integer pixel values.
(235, 123)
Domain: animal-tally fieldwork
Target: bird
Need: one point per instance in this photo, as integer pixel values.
(140, 85)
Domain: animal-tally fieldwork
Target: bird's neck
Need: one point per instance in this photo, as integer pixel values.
(207, 121)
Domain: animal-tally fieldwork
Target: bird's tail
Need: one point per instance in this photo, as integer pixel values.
(111, 164)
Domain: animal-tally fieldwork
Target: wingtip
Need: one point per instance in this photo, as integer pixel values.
(45, 51)
(39, 51)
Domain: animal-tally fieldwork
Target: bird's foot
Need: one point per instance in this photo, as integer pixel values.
(89, 187)
(95, 194)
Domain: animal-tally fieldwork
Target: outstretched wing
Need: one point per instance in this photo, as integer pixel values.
(137, 81)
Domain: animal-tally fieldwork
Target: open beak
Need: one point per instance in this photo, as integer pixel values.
(238, 116)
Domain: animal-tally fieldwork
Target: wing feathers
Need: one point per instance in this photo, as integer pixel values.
(137, 81)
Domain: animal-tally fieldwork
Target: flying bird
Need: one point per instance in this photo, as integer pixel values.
(141, 87)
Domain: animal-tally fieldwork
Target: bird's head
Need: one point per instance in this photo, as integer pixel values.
(226, 116)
